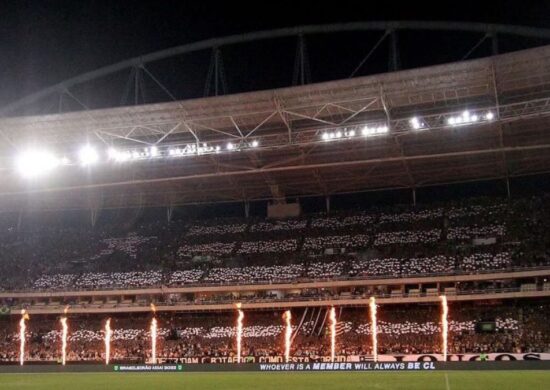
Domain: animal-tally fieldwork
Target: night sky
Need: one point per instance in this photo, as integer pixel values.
(44, 42)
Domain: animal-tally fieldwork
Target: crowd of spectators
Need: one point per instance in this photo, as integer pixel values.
(316, 268)
(408, 237)
(341, 241)
(469, 232)
(93, 280)
(255, 273)
(211, 248)
(337, 266)
(439, 264)
(272, 246)
(343, 221)
(200, 230)
(185, 277)
(438, 239)
(127, 245)
(271, 226)
(517, 328)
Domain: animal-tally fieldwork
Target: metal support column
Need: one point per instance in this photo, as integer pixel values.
(394, 63)
(494, 43)
(93, 216)
(216, 70)
(301, 66)
(19, 220)
(136, 85)
(247, 209)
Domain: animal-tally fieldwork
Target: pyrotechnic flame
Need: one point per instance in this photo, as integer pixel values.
(239, 331)
(66, 310)
(64, 339)
(444, 325)
(154, 340)
(373, 327)
(288, 334)
(22, 328)
(332, 333)
(153, 308)
(108, 334)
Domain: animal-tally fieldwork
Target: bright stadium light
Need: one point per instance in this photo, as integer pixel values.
(88, 155)
(416, 123)
(467, 118)
(34, 163)
(123, 156)
(153, 151)
(112, 153)
(255, 143)
(230, 146)
(117, 155)
(375, 130)
(338, 134)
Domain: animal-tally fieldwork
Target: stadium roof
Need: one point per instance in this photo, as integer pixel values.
(293, 158)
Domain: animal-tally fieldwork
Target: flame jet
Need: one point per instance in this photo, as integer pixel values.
(64, 332)
(332, 317)
(444, 325)
(153, 330)
(22, 328)
(108, 334)
(288, 334)
(374, 327)
(239, 331)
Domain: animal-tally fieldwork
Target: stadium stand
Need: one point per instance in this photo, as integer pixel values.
(443, 239)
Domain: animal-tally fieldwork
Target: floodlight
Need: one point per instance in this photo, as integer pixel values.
(112, 153)
(34, 163)
(88, 155)
(415, 123)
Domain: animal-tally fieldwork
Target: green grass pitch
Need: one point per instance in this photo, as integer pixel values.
(483, 380)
